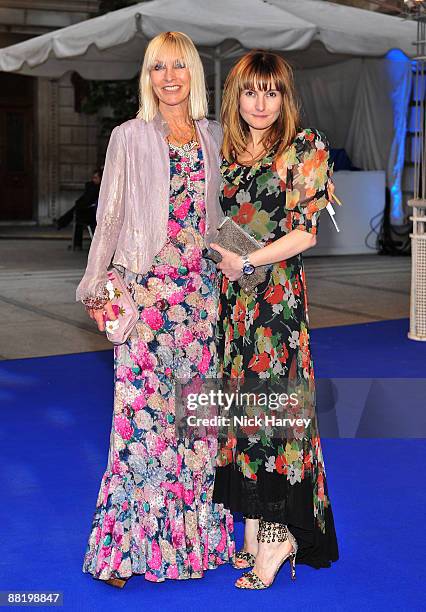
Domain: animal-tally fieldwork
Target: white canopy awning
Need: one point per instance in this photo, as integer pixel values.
(349, 30)
(112, 46)
(309, 33)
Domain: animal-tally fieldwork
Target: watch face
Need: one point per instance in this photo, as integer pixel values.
(248, 268)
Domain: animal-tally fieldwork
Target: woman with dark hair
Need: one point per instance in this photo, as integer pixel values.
(84, 211)
(276, 181)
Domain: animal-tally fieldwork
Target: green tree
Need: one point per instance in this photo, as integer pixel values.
(106, 6)
(120, 96)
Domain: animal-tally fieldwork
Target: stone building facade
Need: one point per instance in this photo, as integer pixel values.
(48, 150)
(391, 7)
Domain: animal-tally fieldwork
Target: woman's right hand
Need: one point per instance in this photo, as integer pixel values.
(97, 314)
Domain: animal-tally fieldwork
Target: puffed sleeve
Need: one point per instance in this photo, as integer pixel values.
(309, 187)
(109, 219)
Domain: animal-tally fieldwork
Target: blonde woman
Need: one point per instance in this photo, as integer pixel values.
(276, 181)
(158, 208)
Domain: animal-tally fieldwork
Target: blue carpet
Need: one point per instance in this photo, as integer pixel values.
(379, 349)
(54, 431)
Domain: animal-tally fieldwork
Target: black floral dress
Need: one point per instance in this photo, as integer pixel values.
(277, 473)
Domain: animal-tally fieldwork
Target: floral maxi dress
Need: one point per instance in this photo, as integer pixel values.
(264, 336)
(154, 513)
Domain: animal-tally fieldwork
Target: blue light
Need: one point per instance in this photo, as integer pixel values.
(396, 55)
(401, 87)
(396, 202)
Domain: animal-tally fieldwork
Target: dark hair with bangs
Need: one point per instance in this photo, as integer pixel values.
(261, 70)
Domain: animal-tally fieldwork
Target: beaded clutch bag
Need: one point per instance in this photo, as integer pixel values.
(124, 308)
(233, 238)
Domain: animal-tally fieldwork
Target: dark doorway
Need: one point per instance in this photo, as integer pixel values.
(16, 147)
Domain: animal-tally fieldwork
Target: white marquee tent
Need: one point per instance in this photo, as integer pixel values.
(350, 94)
(111, 46)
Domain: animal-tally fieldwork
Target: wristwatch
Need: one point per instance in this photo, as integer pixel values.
(247, 268)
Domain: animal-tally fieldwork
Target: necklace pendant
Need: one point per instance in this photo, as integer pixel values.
(192, 145)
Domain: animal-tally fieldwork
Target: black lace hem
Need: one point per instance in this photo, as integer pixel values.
(276, 500)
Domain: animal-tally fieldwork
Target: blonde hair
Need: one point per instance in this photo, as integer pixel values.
(263, 70)
(179, 46)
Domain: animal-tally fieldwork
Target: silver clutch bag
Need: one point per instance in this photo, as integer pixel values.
(233, 238)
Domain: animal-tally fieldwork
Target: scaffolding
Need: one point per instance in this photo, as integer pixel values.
(418, 203)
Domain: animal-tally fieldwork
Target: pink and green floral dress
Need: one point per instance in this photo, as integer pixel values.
(263, 340)
(154, 514)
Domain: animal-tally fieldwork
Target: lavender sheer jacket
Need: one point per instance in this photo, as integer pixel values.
(133, 206)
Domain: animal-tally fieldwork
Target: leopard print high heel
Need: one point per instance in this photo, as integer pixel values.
(244, 559)
(270, 532)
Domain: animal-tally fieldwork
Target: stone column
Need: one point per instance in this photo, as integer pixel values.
(47, 150)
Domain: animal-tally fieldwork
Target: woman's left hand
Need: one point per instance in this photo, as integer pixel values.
(231, 264)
